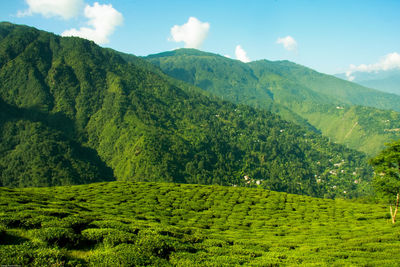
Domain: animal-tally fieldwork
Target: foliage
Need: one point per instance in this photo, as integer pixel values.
(109, 236)
(165, 224)
(74, 113)
(33, 154)
(55, 236)
(346, 112)
(387, 175)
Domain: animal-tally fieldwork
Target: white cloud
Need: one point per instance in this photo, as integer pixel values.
(241, 54)
(288, 42)
(388, 62)
(53, 8)
(192, 33)
(349, 76)
(103, 20)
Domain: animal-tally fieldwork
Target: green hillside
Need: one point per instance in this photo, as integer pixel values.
(86, 114)
(161, 224)
(34, 154)
(335, 89)
(296, 93)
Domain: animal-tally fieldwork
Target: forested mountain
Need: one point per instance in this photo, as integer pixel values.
(35, 151)
(348, 113)
(73, 112)
(386, 81)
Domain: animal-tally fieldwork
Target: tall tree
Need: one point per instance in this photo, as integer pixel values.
(387, 175)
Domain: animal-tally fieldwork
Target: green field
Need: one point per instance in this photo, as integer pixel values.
(162, 224)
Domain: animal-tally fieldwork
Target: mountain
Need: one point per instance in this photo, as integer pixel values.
(85, 114)
(165, 224)
(386, 81)
(359, 117)
(34, 151)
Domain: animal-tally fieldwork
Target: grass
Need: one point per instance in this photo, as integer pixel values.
(161, 224)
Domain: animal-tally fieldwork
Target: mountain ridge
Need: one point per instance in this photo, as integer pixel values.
(299, 94)
(147, 127)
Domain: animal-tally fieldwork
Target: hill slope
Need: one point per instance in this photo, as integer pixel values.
(32, 153)
(157, 224)
(145, 128)
(317, 101)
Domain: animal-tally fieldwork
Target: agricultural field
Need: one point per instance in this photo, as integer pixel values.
(166, 224)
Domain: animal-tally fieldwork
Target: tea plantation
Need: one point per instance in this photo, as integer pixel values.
(163, 224)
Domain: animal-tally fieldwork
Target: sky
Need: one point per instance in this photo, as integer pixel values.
(330, 36)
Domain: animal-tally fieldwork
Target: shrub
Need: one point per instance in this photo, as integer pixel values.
(57, 236)
(153, 243)
(16, 254)
(76, 223)
(114, 225)
(109, 236)
(126, 255)
(49, 257)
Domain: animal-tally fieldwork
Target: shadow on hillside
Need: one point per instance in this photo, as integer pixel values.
(60, 123)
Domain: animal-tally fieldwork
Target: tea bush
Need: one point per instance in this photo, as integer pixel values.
(161, 224)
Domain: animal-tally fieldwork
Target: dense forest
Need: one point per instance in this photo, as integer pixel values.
(350, 114)
(73, 112)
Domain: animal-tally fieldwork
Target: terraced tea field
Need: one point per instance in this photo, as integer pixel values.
(161, 224)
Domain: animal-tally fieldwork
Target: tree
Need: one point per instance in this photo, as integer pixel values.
(387, 175)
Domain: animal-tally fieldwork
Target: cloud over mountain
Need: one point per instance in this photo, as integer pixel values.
(192, 33)
(388, 62)
(102, 21)
(241, 54)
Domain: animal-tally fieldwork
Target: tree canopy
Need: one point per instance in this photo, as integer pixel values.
(387, 175)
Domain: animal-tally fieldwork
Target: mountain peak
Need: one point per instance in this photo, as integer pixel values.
(183, 52)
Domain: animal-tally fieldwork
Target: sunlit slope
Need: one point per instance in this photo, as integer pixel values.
(93, 110)
(335, 90)
(295, 92)
(122, 223)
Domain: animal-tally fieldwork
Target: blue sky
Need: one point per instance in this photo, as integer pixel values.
(325, 35)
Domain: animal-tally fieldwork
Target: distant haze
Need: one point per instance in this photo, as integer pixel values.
(386, 81)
